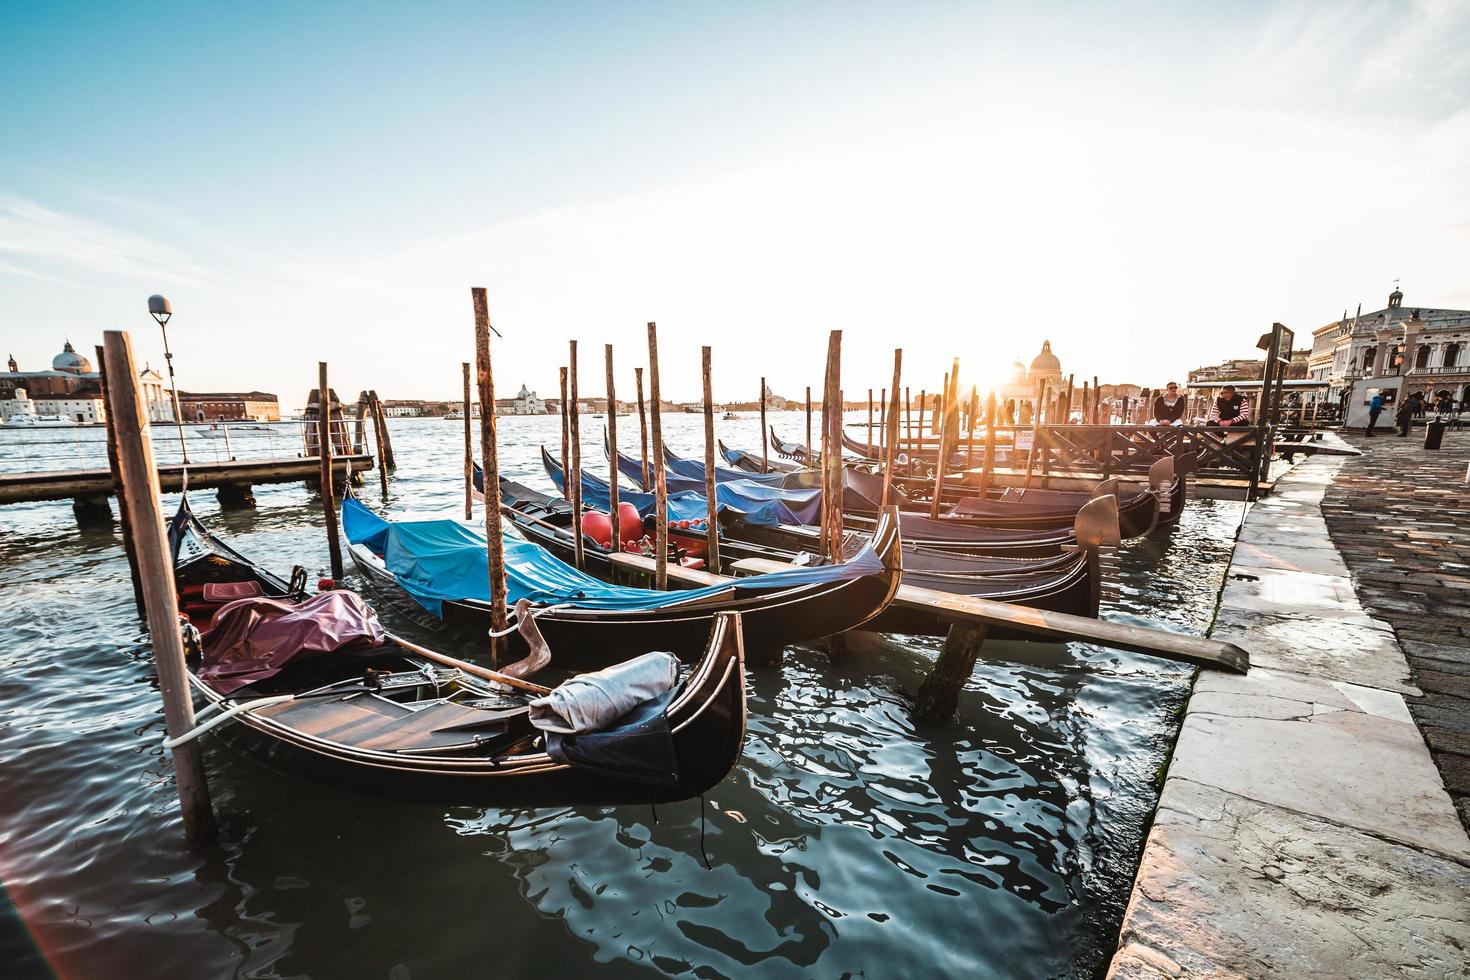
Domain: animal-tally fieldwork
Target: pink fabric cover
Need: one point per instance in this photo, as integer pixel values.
(230, 591)
(255, 638)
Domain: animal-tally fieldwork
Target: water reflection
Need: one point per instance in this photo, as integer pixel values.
(847, 841)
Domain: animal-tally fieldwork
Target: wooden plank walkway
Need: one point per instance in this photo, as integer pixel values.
(18, 488)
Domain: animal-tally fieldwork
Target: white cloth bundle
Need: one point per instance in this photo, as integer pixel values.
(590, 702)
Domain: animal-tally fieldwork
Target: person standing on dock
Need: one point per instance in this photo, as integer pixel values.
(1404, 417)
(1169, 406)
(1375, 409)
(1229, 409)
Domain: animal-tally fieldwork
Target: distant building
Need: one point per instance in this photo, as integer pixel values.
(225, 406)
(400, 408)
(526, 402)
(83, 406)
(1424, 346)
(1023, 383)
(155, 396)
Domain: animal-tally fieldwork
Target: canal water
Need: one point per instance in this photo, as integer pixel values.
(847, 842)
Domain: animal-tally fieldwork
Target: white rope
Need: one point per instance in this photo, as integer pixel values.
(514, 621)
(224, 716)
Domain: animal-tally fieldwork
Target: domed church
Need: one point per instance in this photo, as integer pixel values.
(70, 361)
(1022, 383)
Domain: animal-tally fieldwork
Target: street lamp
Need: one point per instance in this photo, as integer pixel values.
(159, 308)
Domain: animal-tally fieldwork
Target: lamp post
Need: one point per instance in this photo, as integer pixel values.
(160, 309)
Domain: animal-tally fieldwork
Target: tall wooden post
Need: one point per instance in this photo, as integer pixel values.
(660, 484)
(1035, 432)
(870, 421)
(712, 530)
(380, 436)
(908, 426)
(946, 425)
(574, 475)
(832, 455)
(765, 433)
(811, 449)
(1096, 401)
(324, 452)
(566, 472)
(118, 489)
(469, 450)
(139, 476)
(890, 444)
(974, 410)
(490, 454)
(882, 423)
(990, 444)
(919, 438)
(612, 445)
(387, 436)
(642, 425)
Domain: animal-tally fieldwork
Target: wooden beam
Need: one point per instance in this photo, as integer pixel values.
(612, 442)
(642, 425)
(574, 475)
(891, 433)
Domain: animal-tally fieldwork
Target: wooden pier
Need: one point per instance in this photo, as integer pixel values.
(234, 479)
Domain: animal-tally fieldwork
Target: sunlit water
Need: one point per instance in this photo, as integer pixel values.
(847, 842)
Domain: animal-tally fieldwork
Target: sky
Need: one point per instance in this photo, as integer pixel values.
(1149, 186)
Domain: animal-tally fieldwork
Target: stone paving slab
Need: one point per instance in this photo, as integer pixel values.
(1400, 516)
(1304, 829)
(1346, 753)
(1232, 887)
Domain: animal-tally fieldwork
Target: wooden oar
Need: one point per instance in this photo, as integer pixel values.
(484, 673)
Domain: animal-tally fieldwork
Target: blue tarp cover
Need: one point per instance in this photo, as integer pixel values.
(759, 505)
(440, 559)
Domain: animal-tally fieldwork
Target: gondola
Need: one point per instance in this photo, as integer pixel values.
(777, 521)
(385, 716)
(751, 463)
(1067, 582)
(437, 574)
(1159, 501)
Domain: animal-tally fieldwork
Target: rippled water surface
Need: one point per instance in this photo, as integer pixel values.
(847, 842)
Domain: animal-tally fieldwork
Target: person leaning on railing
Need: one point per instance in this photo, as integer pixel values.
(1229, 409)
(1169, 407)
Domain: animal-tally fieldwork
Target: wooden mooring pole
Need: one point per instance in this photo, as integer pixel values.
(811, 450)
(324, 451)
(642, 424)
(490, 457)
(380, 435)
(947, 425)
(391, 461)
(616, 542)
(765, 433)
(870, 420)
(129, 549)
(882, 423)
(138, 475)
(573, 476)
(990, 418)
(712, 530)
(566, 489)
(660, 485)
(832, 453)
(469, 449)
(1035, 432)
(890, 433)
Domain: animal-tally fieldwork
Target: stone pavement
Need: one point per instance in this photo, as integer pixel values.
(1303, 829)
(1400, 517)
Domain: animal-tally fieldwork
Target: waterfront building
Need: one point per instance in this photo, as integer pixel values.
(81, 407)
(526, 402)
(403, 408)
(218, 406)
(156, 397)
(1419, 347)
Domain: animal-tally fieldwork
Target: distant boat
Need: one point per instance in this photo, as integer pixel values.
(730, 416)
(30, 420)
